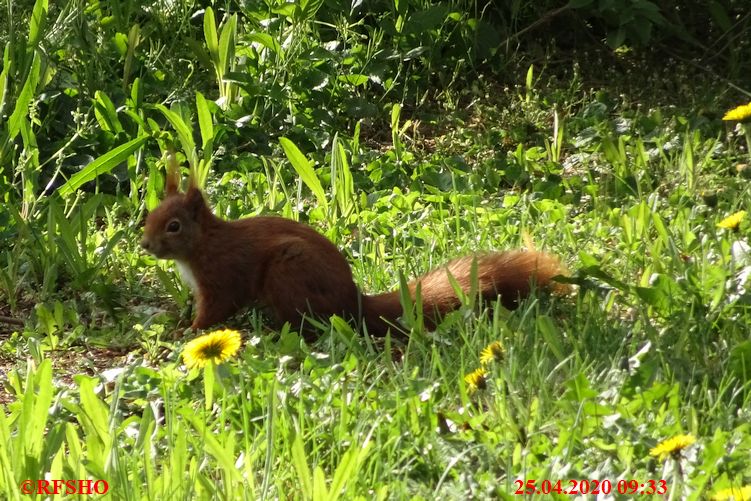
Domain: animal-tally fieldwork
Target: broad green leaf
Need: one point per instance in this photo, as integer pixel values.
(660, 228)
(75, 447)
(529, 80)
(320, 492)
(96, 412)
(184, 133)
(227, 43)
(102, 165)
(37, 399)
(309, 8)
(267, 41)
(212, 40)
(395, 113)
(137, 119)
(354, 79)
(664, 293)
(6, 446)
(145, 428)
(347, 468)
(38, 18)
(30, 145)
(21, 110)
(428, 19)
(120, 40)
(93, 418)
(106, 114)
(285, 9)
(205, 121)
(304, 169)
(134, 38)
(136, 93)
(395, 141)
(552, 336)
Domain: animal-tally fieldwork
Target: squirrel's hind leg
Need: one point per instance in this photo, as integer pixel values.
(301, 280)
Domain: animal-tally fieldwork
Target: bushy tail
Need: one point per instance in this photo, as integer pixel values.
(510, 275)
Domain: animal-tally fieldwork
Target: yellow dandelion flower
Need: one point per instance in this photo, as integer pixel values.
(739, 113)
(476, 380)
(216, 346)
(493, 351)
(733, 493)
(733, 221)
(672, 446)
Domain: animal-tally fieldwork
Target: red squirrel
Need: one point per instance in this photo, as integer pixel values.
(291, 270)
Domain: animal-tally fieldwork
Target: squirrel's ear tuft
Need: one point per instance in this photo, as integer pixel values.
(193, 181)
(172, 182)
(194, 200)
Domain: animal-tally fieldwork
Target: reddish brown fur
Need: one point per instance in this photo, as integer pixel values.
(509, 275)
(289, 269)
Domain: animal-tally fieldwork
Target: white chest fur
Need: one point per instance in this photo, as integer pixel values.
(187, 275)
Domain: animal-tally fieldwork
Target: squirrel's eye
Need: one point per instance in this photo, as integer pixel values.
(173, 226)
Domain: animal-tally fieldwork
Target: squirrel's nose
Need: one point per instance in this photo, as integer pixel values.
(146, 244)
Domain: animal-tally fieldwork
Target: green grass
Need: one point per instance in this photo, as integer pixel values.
(408, 134)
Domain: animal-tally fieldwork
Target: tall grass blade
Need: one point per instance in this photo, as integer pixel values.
(341, 178)
(300, 463)
(102, 165)
(304, 169)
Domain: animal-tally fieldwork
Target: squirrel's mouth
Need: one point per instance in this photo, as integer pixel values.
(159, 254)
(154, 250)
